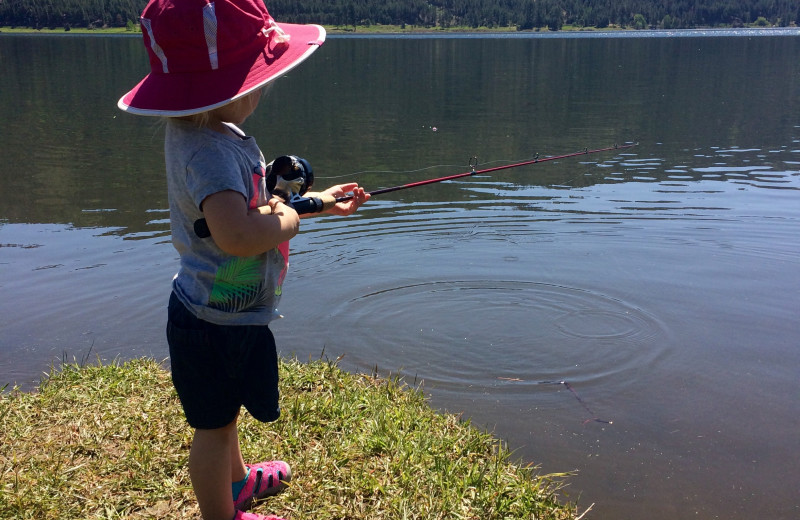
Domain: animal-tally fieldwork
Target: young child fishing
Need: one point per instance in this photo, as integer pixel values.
(210, 61)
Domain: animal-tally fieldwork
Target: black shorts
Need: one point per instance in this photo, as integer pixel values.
(217, 369)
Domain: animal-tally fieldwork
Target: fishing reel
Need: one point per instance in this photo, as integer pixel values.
(289, 177)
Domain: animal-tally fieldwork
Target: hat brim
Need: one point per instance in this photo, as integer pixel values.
(188, 93)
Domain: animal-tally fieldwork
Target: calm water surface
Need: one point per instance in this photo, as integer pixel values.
(630, 316)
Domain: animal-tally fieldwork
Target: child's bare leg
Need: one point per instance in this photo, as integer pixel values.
(238, 469)
(210, 468)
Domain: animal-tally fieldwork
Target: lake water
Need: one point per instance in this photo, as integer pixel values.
(630, 316)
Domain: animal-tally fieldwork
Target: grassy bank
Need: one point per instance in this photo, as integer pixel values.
(110, 441)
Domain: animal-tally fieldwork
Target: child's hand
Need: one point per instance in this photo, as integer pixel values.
(349, 207)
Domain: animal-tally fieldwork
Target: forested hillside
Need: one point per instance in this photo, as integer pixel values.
(516, 14)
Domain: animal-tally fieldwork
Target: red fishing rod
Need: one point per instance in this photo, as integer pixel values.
(291, 177)
(473, 164)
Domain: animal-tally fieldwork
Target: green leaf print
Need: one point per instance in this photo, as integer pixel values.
(237, 284)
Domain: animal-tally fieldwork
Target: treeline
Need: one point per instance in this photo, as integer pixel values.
(518, 14)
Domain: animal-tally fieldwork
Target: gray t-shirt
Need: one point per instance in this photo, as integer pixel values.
(215, 286)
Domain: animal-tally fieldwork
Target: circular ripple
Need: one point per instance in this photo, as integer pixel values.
(602, 324)
(478, 332)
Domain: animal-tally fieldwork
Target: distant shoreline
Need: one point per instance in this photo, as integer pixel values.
(411, 30)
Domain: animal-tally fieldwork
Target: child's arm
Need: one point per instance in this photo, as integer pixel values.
(239, 231)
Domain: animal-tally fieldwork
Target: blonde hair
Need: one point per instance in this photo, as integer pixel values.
(201, 119)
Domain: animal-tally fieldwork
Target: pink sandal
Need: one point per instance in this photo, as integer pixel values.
(265, 479)
(241, 515)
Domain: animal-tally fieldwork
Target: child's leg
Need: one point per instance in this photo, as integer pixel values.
(210, 468)
(238, 469)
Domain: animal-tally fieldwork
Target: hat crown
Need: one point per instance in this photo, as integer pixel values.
(207, 53)
(202, 35)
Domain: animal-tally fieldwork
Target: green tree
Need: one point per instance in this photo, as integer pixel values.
(554, 19)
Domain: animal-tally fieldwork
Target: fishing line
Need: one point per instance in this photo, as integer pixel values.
(574, 393)
(583, 403)
(432, 167)
(390, 171)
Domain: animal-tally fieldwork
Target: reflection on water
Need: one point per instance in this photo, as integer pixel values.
(653, 289)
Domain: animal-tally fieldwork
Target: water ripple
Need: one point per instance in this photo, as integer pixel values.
(510, 330)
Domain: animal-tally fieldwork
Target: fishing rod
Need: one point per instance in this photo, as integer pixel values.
(313, 203)
(290, 177)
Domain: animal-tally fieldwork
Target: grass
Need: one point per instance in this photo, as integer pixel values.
(109, 441)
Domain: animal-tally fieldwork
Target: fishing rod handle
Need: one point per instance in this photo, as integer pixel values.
(314, 203)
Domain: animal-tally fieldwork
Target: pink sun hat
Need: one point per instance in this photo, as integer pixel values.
(207, 53)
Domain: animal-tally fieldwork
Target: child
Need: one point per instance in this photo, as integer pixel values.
(210, 60)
